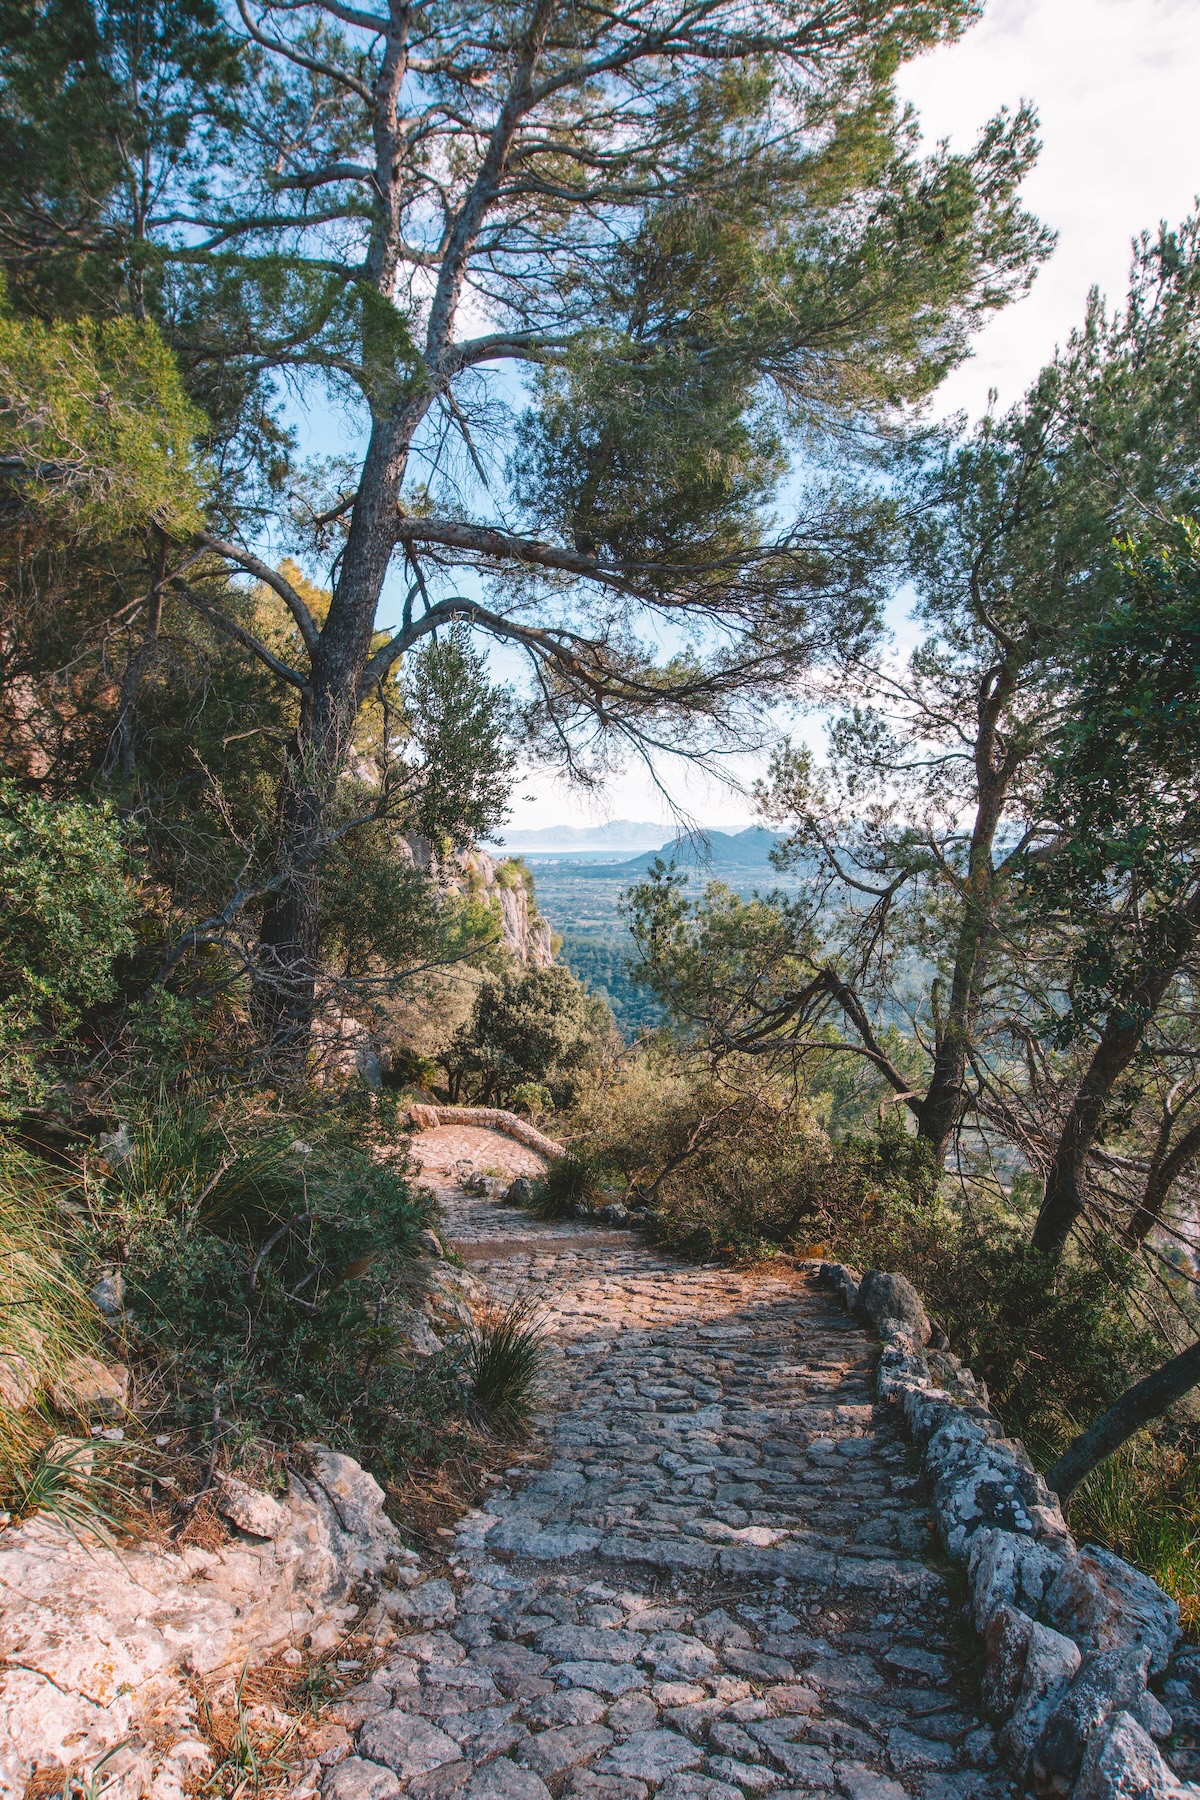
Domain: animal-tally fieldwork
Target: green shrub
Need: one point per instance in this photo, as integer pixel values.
(262, 1269)
(531, 1097)
(726, 1164)
(66, 914)
(572, 1180)
(527, 1025)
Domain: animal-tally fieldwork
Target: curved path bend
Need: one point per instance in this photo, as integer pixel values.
(720, 1581)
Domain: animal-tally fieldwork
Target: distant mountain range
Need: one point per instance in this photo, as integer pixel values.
(617, 836)
(706, 850)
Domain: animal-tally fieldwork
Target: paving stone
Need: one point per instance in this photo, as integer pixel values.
(906, 1752)
(857, 1782)
(572, 1706)
(552, 1753)
(691, 1786)
(651, 1756)
(636, 1712)
(441, 1783)
(358, 1779)
(407, 1743)
(744, 1778)
(584, 1784)
(605, 1678)
(584, 1643)
(503, 1780)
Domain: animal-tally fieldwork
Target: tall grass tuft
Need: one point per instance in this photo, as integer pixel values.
(1144, 1503)
(571, 1180)
(237, 1174)
(505, 1358)
(46, 1318)
(80, 1483)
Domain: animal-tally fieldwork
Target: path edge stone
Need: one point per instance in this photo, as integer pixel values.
(1072, 1634)
(487, 1118)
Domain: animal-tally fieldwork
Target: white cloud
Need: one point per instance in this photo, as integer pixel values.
(1115, 84)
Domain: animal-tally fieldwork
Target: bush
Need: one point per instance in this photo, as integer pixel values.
(527, 1025)
(725, 1165)
(262, 1270)
(1053, 1339)
(737, 1166)
(531, 1097)
(66, 912)
(505, 1359)
(572, 1180)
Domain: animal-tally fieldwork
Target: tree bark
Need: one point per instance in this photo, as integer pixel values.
(1064, 1197)
(940, 1111)
(1146, 1401)
(1165, 1171)
(285, 984)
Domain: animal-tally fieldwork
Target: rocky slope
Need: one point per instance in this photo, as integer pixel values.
(501, 887)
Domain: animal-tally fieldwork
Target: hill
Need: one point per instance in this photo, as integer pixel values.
(707, 851)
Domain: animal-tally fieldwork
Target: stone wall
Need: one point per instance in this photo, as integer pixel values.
(1075, 1640)
(488, 1118)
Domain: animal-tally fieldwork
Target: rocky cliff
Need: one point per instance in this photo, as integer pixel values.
(505, 887)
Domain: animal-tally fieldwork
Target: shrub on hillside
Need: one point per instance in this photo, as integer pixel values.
(263, 1270)
(724, 1163)
(66, 914)
(527, 1025)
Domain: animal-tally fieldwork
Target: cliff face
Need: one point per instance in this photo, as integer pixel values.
(504, 887)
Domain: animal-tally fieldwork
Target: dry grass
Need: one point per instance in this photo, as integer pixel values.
(46, 1318)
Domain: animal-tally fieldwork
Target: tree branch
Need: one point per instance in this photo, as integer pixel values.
(240, 635)
(294, 602)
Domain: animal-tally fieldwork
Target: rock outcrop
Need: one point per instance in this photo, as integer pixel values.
(100, 1649)
(499, 885)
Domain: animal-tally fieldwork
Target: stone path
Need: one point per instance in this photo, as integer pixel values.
(719, 1584)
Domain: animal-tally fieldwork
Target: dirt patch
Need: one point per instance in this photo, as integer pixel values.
(450, 1151)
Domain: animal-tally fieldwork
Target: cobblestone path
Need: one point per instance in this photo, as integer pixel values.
(720, 1582)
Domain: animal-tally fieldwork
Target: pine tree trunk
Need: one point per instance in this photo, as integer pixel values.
(1138, 1407)
(1064, 1197)
(284, 991)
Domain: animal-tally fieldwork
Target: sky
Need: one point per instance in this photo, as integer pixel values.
(1116, 84)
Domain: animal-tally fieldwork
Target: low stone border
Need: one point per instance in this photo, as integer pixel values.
(490, 1118)
(1072, 1635)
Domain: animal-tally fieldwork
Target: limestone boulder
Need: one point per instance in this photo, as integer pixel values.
(1104, 1604)
(1051, 1662)
(1010, 1569)
(250, 1509)
(1122, 1763)
(1112, 1681)
(883, 1297)
(99, 1649)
